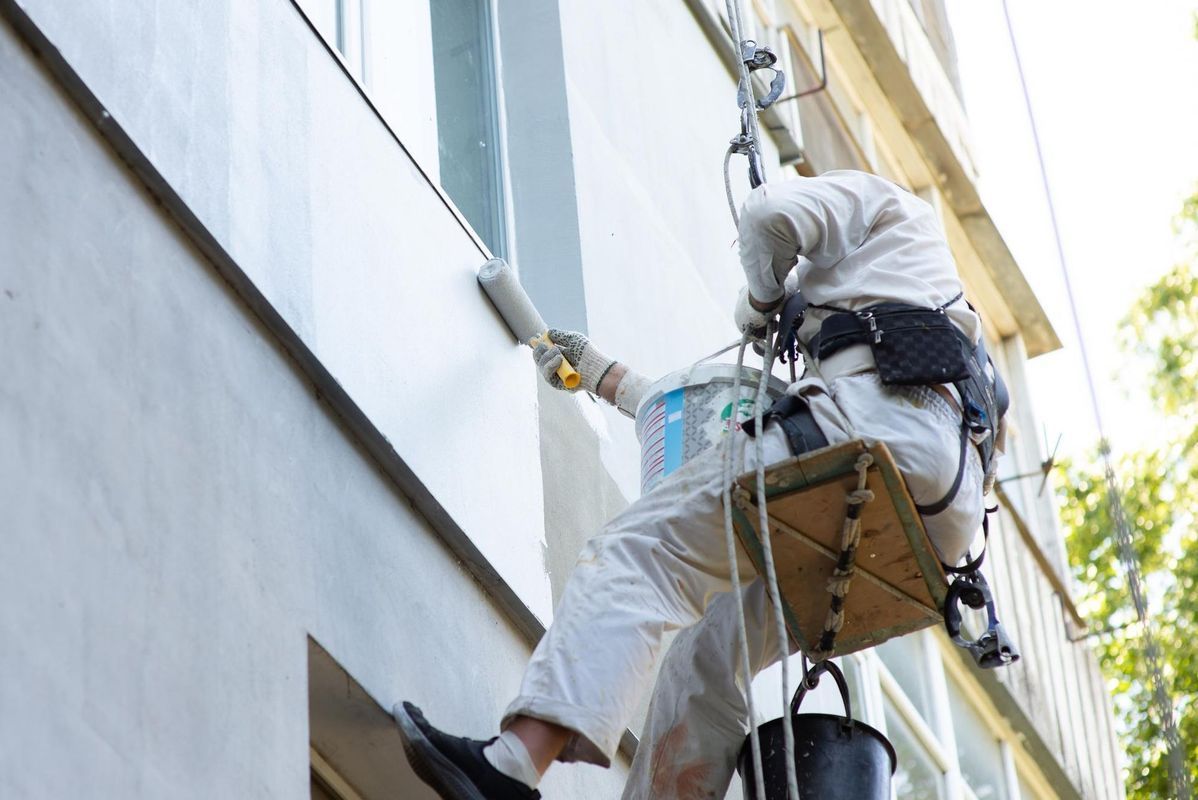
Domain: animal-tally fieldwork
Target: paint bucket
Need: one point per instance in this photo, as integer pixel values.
(836, 758)
(688, 411)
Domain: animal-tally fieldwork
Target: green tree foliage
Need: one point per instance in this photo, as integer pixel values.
(1159, 486)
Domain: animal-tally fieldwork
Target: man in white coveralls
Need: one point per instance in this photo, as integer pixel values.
(849, 241)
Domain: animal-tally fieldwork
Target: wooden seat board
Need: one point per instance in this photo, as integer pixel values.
(899, 586)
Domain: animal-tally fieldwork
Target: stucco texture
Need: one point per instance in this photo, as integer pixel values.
(180, 511)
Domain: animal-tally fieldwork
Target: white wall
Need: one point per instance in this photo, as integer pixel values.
(181, 512)
(245, 113)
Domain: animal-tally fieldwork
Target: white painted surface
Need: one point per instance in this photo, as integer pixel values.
(311, 195)
(254, 124)
(180, 512)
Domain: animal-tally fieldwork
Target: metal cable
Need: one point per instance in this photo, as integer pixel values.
(1178, 776)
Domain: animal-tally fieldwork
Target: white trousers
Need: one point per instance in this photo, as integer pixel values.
(698, 718)
(662, 564)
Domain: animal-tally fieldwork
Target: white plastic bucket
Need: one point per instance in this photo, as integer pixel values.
(688, 411)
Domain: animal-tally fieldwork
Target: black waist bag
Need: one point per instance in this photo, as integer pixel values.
(911, 345)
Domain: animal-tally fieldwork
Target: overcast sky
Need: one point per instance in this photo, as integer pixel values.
(1114, 87)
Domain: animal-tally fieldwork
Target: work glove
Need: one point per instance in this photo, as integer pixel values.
(582, 355)
(752, 321)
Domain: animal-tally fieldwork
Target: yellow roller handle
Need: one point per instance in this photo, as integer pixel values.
(569, 376)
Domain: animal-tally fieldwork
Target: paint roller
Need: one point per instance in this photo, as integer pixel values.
(510, 300)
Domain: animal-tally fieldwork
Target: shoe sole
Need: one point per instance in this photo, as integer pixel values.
(429, 764)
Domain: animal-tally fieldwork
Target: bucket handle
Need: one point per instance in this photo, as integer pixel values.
(811, 680)
(690, 370)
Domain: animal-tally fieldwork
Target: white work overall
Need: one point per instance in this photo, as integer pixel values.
(662, 564)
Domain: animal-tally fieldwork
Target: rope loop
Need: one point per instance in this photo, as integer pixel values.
(859, 497)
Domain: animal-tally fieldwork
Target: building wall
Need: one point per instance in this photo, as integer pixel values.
(182, 511)
(193, 500)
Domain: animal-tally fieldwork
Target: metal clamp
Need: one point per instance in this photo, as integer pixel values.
(992, 649)
(757, 57)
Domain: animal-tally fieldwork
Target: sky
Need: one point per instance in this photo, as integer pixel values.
(1114, 90)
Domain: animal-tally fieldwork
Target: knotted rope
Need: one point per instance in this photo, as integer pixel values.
(846, 563)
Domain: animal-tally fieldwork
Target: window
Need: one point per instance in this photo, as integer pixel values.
(904, 656)
(467, 114)
(917, 776)
(341, 23)
(979, 751)
(353, 751)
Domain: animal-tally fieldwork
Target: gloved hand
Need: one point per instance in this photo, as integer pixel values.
(753, 321)
(578, 350)
(749, 319)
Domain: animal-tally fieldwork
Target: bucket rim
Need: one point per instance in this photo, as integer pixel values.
(839, 720)
(699, 374)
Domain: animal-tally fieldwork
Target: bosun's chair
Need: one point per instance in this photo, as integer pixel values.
(897, 582)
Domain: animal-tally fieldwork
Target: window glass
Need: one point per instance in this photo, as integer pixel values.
(467, 122)
(978, 749)
(904, 657)
(917, 776)
(326, 16)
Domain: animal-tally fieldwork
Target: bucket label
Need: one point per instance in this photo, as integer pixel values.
(674, 427)
(681, 423)
(745, 412)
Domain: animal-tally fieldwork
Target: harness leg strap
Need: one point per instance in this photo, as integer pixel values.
(794, 416)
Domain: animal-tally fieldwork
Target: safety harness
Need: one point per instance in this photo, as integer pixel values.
(916, 346)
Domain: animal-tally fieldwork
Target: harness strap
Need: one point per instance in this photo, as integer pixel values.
(974, 564)
(794, 416)
(946, 501)
(941, 307)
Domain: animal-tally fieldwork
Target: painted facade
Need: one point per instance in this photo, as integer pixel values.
(271, 460)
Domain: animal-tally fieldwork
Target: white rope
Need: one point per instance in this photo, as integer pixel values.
(730, 541)
(749, 110)
(771, 574)
(735, 20)
(728, 186)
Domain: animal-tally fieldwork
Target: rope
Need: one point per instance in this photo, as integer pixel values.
(846, 563)
(750, 107)
(771, 575)
(1179, 776)
(749, 112)
(728, 185)
(730, 541)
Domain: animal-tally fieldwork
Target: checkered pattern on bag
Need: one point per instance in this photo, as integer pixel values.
(920, 354)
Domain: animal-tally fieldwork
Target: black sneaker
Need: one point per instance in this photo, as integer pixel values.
(453, 766)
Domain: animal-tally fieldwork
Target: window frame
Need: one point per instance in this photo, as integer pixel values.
(880, 690)
(351, 22)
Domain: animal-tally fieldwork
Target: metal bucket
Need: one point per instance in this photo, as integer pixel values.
(836, 758)
(688, 411)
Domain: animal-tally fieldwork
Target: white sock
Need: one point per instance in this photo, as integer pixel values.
(509, 755)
